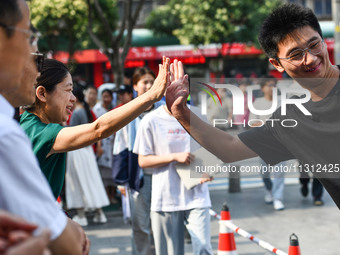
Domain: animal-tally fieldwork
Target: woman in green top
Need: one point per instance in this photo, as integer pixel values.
(54, 102)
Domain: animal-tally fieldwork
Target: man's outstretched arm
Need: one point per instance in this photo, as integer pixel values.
(226, 147)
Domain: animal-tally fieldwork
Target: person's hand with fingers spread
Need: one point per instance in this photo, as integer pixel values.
(178, 90)
(162, 81)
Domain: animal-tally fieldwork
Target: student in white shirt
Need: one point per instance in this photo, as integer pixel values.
(161, 142)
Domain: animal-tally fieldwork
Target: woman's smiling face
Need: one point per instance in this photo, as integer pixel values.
(59, 103)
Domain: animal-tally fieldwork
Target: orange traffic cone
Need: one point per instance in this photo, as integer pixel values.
(294, 248)
(226, 240)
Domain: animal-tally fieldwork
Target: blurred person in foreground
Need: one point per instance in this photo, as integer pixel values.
(292, 39)
(24, 191)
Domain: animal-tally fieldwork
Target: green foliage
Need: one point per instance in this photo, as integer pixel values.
(63, 23)
(164, 19)
(110, 14)
(210, 21)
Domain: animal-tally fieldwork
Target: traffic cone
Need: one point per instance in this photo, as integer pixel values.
(226, 240)
(294, 248)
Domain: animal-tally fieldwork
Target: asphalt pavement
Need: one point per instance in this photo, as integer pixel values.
(318, 228)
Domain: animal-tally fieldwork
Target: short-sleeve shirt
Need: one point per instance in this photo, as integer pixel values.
(159, 133)
(42, 137)
(78, 117)
(314, 141)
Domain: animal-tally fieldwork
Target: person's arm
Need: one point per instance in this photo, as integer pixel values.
(72, 240)
(72, 138)
(152, 161)
(226, 147)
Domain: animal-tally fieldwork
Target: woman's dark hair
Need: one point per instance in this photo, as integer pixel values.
(283, 21)
(139, 72)
(53, 72)
(10, 14)
(78, 92)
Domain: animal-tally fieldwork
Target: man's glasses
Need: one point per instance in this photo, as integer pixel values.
(33, 37)
(39, 60)
(297, 56)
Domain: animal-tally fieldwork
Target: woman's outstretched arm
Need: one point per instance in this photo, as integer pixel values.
(71, 138)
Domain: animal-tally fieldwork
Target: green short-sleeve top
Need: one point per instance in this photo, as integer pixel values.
(43, 136)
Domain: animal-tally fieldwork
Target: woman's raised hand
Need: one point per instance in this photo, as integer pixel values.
(162, 81)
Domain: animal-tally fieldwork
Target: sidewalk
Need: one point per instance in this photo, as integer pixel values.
(316, 227)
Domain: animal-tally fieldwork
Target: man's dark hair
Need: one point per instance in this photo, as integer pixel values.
(283, 21)
(10, 14)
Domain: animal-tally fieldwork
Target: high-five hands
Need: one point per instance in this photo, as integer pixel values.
(178, 90)
(162, 81)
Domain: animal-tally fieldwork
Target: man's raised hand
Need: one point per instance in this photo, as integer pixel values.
(178, 90)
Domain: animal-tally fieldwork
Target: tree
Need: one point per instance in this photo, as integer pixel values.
(209, 21)
(114, 45)
(60, 22)
(78, 23)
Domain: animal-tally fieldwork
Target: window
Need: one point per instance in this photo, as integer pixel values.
(323, 7)
(301, 2)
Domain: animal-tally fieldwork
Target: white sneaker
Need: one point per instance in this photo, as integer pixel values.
(82, 221)
(268, 197)
(278, 205)
(99, 218)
